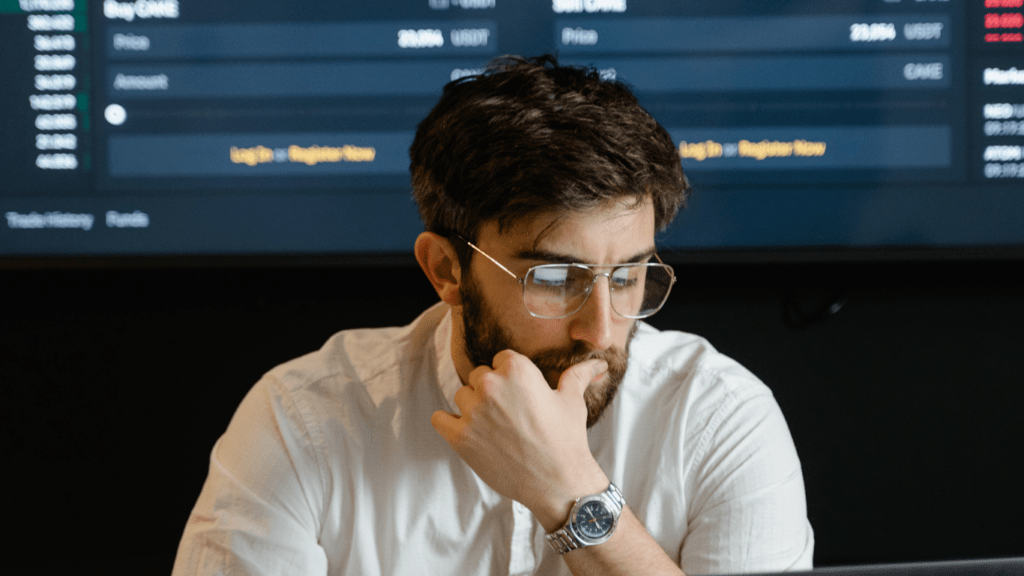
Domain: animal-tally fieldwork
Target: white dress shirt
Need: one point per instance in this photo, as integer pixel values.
(330, 466)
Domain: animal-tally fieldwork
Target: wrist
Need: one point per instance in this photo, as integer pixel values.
(592, 521)
(552, 510)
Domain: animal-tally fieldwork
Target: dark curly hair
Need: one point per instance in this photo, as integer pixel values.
(529, 136)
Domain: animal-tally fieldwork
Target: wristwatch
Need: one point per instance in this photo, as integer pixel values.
(592, 521)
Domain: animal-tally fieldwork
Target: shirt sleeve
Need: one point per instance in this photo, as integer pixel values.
(259, 511)
(750, 511)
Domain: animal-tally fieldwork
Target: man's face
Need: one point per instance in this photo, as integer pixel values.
(495, 318)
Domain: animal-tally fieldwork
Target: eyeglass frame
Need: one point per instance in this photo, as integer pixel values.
(590, 290)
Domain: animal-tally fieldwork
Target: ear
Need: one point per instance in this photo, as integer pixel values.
(438, 260)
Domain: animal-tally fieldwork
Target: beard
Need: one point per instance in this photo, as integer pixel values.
(485, 337)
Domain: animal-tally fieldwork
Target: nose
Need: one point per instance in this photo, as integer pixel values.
(595, 322)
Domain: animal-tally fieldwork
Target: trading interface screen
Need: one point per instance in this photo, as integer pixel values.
(214, 127)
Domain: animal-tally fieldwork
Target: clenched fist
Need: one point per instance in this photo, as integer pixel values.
(525, 440)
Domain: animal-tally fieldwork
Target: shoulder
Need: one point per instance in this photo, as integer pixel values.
(355, 378)
(364, 356)
(707, 403)
(729, 487)
(688, 365)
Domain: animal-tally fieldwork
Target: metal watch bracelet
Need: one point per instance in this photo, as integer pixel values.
(565, 539)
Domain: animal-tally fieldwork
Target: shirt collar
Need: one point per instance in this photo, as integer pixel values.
(447, 377)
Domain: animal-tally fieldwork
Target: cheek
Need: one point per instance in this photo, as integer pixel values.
(624, 330)
(531, 334)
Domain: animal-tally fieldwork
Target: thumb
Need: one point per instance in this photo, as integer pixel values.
(448, 425)
(576, 379)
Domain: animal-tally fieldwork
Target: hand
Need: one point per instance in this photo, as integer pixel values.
(525, 440)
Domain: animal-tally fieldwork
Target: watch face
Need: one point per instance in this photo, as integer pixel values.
(594, 519)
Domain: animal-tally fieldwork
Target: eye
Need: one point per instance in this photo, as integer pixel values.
(550, 276)
(625, 277)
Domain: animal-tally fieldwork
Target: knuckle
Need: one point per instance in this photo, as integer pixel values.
(491, 386)
(477, 375)
(489, 383)
(504, 357)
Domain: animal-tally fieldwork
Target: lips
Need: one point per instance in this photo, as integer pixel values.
(553, 363)
(553, 368)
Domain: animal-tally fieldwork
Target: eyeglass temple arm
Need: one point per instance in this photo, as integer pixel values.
(498, 264)
(671, 271)
(485, 255)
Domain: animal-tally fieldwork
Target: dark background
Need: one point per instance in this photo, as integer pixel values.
(905, 405)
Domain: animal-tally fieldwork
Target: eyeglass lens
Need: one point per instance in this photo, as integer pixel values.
(558, 290)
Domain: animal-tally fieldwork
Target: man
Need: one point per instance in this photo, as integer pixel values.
(530, 422)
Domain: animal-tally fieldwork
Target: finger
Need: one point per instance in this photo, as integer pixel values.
(576, 379)
(484, 383)
(466, 398)
(504, 359)
(512, 365)
(448, 425)
(476, 376)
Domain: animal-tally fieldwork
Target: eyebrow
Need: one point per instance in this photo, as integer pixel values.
(552, 257)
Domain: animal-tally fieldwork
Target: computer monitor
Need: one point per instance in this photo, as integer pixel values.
(189, 130)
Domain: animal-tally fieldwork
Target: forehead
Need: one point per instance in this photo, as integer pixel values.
(606, 234)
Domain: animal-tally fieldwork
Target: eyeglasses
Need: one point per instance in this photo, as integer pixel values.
(638, 289)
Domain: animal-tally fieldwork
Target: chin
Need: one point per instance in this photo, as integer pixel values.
(598, 397)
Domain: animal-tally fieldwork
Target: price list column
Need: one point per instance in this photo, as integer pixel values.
(999, 87)
(45, 108)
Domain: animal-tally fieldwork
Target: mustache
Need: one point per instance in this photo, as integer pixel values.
(560, 360)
